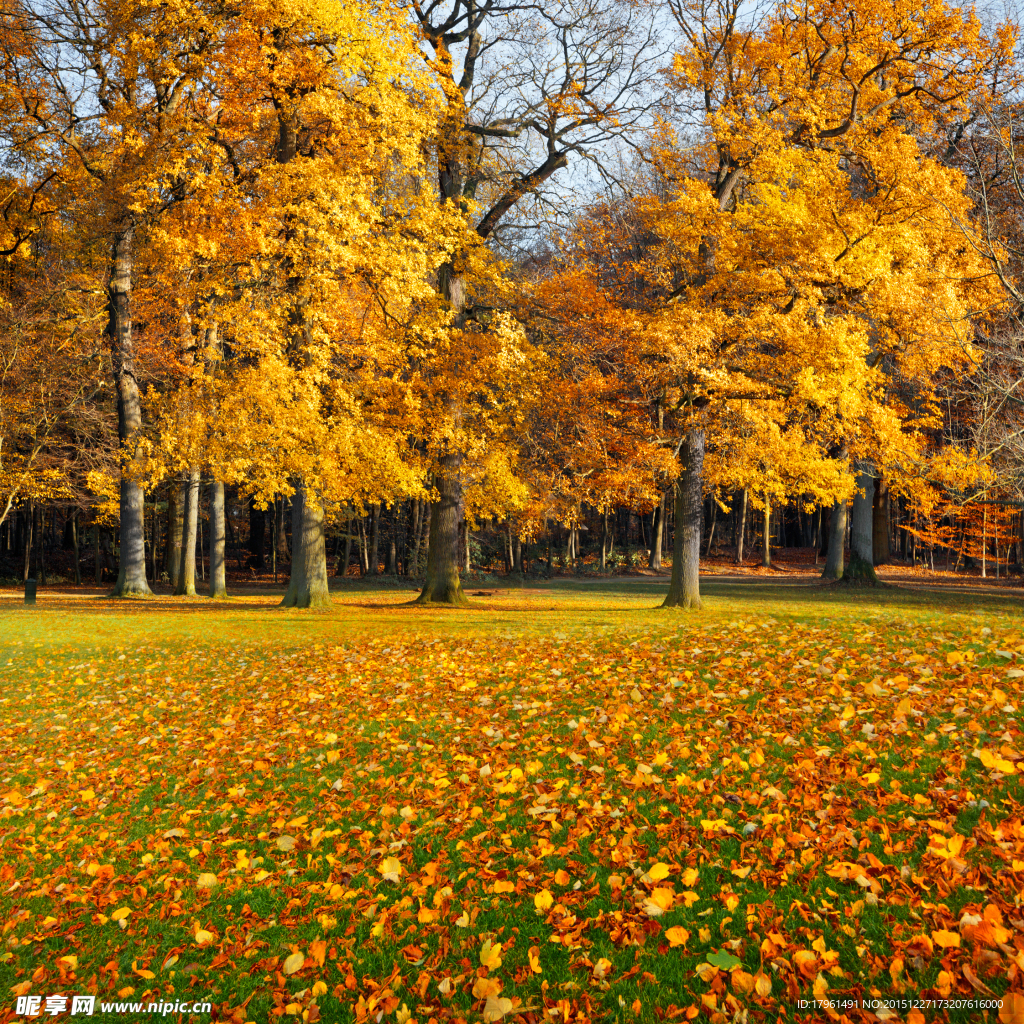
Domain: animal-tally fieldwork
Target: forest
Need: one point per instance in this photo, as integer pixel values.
(318, 289)
(511, 512)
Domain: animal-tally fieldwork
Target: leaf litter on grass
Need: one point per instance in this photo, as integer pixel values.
(714, 820)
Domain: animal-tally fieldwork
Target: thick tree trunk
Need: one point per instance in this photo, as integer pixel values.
(218, 553)
(131, 577)
(657, 531)
(307, 587)
(684, 588)
(862, 515)
(175, 506)
(190, 525)
(517, 555)
(443, 585)
(742, 527)
(836, 543)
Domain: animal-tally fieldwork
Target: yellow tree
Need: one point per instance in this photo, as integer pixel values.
(802, 245)
(106, 96)
(318, 240)
(528, 90)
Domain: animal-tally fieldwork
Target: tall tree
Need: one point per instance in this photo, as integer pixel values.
(106, 94)
(527, 90)
(799, 216)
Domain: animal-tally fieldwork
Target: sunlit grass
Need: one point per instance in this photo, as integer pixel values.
(330, 815)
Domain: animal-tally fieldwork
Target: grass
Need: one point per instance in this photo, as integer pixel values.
(559, 804)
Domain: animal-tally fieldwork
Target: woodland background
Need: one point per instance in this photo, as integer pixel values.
(312, 289)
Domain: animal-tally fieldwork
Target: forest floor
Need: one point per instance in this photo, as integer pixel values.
(560, 804)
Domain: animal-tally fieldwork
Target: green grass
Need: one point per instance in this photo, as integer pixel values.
(562, 726)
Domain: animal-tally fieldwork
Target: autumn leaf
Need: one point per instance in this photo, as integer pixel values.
(390, 869)
(490, 955)
(533, 956)
(496, 1007)
(946, 939)
(293, 963)
(660, 900)
(658, 872)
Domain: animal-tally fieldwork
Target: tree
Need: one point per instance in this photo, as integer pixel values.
(800, 220)
(526, 89)
(106, 98)
(319, 240)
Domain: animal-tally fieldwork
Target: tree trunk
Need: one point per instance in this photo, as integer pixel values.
(98, 553)
(517, 555)
(218, 553)
(190, 525)
(742, 527)
(861, 520)
(684, 588)
(657, 531)
(836, 541)
(175, 508)
(307, 587)
(442, 585)
(131, 577)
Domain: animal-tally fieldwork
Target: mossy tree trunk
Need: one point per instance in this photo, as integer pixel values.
(190, 528)
(172, 556)
(307, 586)
(862, 516)
(836, 543)
(684, 587)
(218, 542)
(131, 576)
(443, 585)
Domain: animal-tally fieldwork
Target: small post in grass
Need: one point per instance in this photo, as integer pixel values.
(30, 591)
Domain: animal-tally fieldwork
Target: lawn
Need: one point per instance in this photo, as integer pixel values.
(560, 805)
